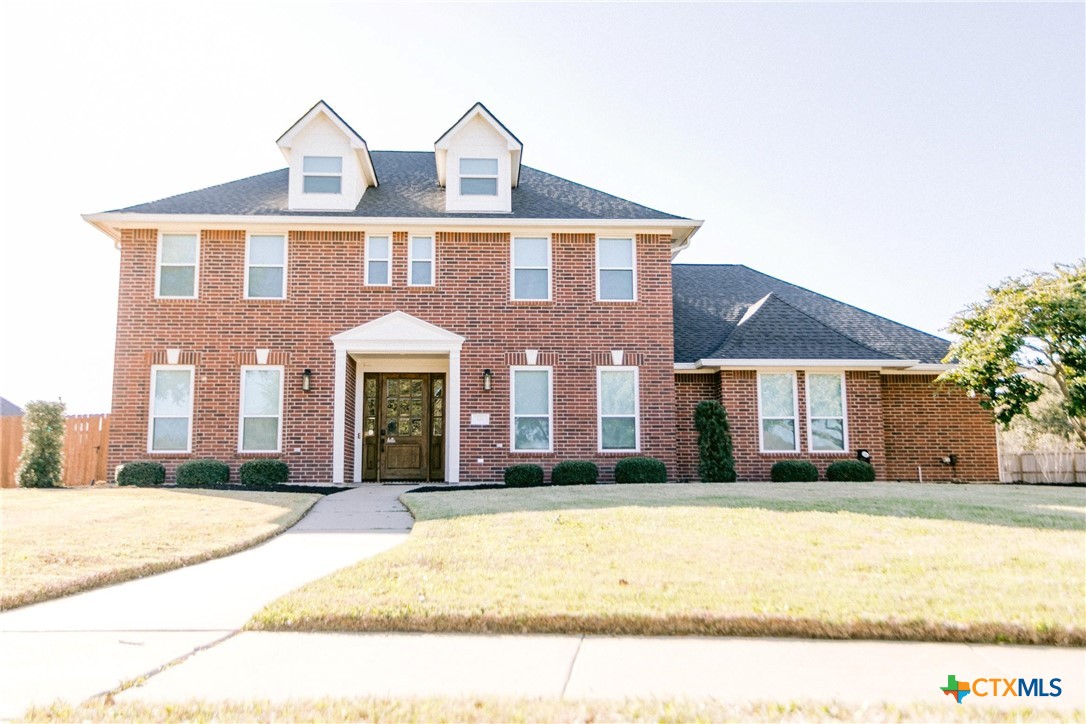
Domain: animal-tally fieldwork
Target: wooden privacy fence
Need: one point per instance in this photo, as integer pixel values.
(86, 445)
(1043, 467)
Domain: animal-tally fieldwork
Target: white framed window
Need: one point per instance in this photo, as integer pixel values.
(322, 174)
(618, 402)
(261, 424)
(827, 423)
(616, 275)
(420, 270)
(169, 426)
(178, 263)
(778, 428)
(266, 266)
(378, 261)
(532, 393)
(478, 177)
(531, 268)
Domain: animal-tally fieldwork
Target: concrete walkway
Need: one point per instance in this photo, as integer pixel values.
(76, 647)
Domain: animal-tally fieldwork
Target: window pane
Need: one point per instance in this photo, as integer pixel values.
(779, 434)
(266, 249)
(777, 396)
(262, 392)
(616, 284)
(616, 253)
(530, 284)
(619, 433)
(177, 281)
(322, 164)
(828, 434)
(378, 246)
(420, 273)
(173, 392)
(322, 184)
(826, 399)
(378, 272)
(532, 392)
(530, 252)
(617, 392)
(179, 248)
(478, 187)
(260, 433)
(479, 166)
(422, 247)
(266, 281)
(532, 433)
(170, 433)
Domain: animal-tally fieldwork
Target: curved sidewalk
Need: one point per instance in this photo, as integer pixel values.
(76, 647)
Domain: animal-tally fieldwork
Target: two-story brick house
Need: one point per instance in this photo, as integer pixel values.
(373, 315)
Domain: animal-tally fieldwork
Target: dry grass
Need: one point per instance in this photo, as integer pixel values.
(60, 541)
(846, 560)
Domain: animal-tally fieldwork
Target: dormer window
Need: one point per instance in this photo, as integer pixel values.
(322, 174)
(478, 177)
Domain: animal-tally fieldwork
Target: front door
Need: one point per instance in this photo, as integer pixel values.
(404, 427)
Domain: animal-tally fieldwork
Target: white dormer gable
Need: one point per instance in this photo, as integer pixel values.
(478, 163)
(330, 164)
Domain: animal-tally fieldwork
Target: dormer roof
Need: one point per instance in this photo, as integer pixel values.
(357, 143)
(441, 145)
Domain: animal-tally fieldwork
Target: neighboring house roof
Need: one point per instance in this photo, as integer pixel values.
(729, 311)
(408, 188)
(9, 408)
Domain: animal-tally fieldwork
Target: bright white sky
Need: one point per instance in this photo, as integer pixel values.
(900, 157)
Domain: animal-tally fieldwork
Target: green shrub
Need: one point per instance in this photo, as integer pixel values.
(141, 473)
(716, 462)
(41, 464)
(575, 472)
(793, 471)
(851, 471)
(523, 476)
(202, 473)
(263, 473)
(640, 470)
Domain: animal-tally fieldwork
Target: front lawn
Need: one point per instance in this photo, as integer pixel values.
(59, 541)
(834, 560)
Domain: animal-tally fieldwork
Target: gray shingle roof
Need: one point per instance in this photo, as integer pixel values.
(792, 323)
(408, 189)
(9, 408)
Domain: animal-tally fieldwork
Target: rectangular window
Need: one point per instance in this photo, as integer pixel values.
(261, 409)
(531, 268)
(478, 177)
(322, 174)
(170, 426)
(531, 391)
(826, 412)
(777, 411)
(266, 267)
(178, 266)
(421, 261)
(615, 269)
(618, 402)
(378, 260)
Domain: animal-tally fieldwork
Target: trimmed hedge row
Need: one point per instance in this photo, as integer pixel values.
(257, 474)
(640, 470)
(804, 471)
(202, 473)
(586, 472)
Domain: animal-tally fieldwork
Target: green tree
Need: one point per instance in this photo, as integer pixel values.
(716, 462)
(1028, 330)
(41, 464)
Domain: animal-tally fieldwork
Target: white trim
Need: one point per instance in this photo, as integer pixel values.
(852, 364)
(513, 268)
(632, 268)
(599, 408)
(411, 259)
(795, 413)
(155, 369)
(513, 408)
(286, 251)
(241, 407)
(195, 264)
(366, 259)
(844, 413)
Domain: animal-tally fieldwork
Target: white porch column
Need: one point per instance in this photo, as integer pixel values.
(339, 422)
(452, 419)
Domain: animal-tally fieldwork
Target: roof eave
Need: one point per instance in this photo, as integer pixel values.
(871, 364)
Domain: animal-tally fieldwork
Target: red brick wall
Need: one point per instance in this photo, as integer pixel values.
(326, 295)
(689, 391)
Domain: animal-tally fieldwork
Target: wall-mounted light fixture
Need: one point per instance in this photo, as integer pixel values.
(863, 456)
(307, 376)
(488, 378)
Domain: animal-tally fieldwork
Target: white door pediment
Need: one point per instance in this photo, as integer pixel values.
(397, 331)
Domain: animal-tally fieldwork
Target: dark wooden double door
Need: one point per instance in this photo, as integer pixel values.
(403, 426)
